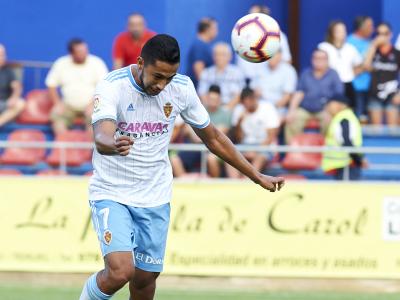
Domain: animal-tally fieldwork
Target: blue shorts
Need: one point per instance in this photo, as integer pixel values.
(142, 230)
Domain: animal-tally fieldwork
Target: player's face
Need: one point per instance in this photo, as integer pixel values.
(275, 60)
(155, 77)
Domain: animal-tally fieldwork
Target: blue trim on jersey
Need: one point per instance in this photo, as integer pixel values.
(132, 80)
(118, 77)
(204, 125)
(112, 74)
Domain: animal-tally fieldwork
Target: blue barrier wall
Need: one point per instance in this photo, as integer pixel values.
(39, 29)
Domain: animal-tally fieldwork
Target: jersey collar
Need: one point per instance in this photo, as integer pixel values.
(133, 82)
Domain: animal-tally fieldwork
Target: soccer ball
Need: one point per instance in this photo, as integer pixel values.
(256, 37)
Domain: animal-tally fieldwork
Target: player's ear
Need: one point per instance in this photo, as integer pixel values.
(140, 63)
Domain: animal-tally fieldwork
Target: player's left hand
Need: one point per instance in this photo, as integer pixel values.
(271, 183)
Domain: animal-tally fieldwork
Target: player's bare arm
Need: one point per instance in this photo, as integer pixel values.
(219, 144)
(106, 143)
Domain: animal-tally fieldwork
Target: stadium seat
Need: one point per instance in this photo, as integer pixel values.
(37, 109)
(74, 157)
(6, 172)
(304, 161)
(52, 172)
(24, 156)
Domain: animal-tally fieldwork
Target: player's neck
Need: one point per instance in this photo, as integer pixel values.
(136, 76)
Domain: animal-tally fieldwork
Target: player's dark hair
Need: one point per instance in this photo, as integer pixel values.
(73, 42)
(329, 34)
(204, 24)
(247, 93)
(359, 22)
(214, 89)
(162, 47)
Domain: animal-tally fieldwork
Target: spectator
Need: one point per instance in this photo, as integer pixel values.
(255, 123)
(200, 52)
(227, 76)
(128, 45)
(316, 85)
(343, 57)
(11, 103)
(221, 118)
(76, 75)
(250, 70)
(383, 60)
(360, 39)
(277, 83)
(343, 130)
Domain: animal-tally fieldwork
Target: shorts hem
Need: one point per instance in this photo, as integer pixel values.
(149, 268)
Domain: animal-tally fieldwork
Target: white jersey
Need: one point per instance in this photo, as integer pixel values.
(143, 178)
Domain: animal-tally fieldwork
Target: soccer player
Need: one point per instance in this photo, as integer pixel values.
(130, 190)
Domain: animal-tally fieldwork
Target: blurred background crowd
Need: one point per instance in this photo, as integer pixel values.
(355, 70)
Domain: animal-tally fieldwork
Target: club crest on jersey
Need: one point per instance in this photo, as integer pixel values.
(96, 102)
(107, 237)
(167, 109)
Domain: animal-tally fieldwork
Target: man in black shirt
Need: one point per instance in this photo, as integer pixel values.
(11, 104)
(383, 60)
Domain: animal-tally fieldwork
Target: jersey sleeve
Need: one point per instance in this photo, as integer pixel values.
(194, 113)
(105, 104)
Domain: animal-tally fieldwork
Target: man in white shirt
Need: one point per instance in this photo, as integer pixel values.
(76, 75)
(133, 119)
(277, 83)
(227, 76)
(255, 123)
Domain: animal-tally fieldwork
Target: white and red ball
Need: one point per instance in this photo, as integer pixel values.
(256, 37)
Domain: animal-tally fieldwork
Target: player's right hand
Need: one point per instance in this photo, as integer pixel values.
(123, 145)
(271, 183)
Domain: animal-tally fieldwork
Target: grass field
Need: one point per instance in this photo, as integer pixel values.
(22, 292)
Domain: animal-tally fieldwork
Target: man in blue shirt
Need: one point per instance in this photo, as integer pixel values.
(316, 85)
(361, 39)
(200, 52)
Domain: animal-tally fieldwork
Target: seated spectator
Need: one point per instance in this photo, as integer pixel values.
(221, 118)
(383, 60)
(361, 40)
(343, 57)
(200, 52)
(11, 103)
(128, 45)
(250, 70)
(76, 75)
(277, 83)
(316, 85)
(255, 123)
(344, 130)
(227, 76)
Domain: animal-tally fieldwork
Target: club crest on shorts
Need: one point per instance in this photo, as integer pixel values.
(107, 236)
(167, 109)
